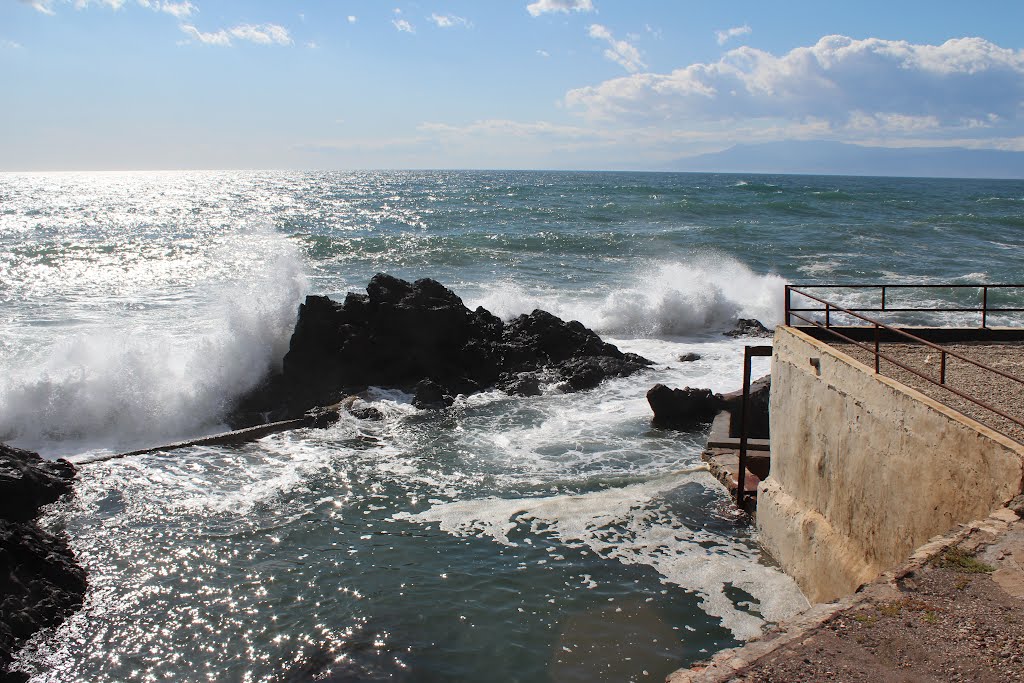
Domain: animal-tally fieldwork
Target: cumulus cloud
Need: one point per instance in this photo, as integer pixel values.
(728, 34)
(448, 21)
(619, 51)
(841, 81)
(403, 26)
(548, 6)
(262, 34)
(9, 45)
(352, 19)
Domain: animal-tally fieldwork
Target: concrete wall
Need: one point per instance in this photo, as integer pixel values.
(865, 470)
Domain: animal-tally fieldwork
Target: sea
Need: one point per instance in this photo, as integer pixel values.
(560, 537)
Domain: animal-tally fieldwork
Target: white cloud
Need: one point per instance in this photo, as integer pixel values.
(544, 53)
(9, 45)
(403, 26)
(263, 34)
(449, 21)
(725, 36)
(220, 37)
(44, 6)
(847, 83)
(619, 51)
(547, 6)
(178, 10)
(352, 19)
(112, 4)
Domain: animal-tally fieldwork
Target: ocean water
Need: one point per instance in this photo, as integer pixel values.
(558, 537)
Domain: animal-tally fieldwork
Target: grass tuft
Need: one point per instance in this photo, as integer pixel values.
(960, 560)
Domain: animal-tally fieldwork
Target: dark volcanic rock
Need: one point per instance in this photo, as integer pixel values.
(27, 482)
(748, 327)
(420, 336)
(688, 408)
(689, 357)
(683, 408)
(40, 582)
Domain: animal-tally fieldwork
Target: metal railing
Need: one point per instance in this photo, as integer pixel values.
(984, 309)
(830, 308)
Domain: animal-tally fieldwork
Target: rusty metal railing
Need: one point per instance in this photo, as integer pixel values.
(984, 309)
(830, 308)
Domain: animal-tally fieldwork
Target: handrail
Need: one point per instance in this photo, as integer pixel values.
(984, 309)
(830, 307)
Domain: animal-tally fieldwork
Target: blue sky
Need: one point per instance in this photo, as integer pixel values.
(154, 84)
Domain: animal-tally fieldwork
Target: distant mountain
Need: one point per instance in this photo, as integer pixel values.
(837, 158)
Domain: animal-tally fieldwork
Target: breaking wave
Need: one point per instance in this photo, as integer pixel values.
(121, 383)
(661, 300)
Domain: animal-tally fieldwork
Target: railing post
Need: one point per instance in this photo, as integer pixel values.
(942, 368)
(984, 306)
(883, 297)
(788, 293)
(876, 349)
(828, 312)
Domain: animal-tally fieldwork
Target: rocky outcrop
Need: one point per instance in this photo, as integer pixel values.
(748, 327)
(40, 582)
(420, 337)
(757, 408)
(689, 408)
(683, 408)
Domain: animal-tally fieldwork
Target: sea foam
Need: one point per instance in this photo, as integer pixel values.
(630, 525)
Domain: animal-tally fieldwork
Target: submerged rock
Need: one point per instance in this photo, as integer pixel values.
(40, 581)
(420, 337)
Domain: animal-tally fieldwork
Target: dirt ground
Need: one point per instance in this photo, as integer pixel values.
(958, 618)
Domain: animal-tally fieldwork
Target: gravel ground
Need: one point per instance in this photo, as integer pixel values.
(1004, 394)
(958, 619)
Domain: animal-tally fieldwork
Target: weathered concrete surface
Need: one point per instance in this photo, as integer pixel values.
(864, 469)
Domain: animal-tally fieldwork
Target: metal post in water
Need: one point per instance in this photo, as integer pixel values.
(741, 473)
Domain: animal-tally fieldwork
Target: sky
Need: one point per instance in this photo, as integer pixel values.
(564, 84)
